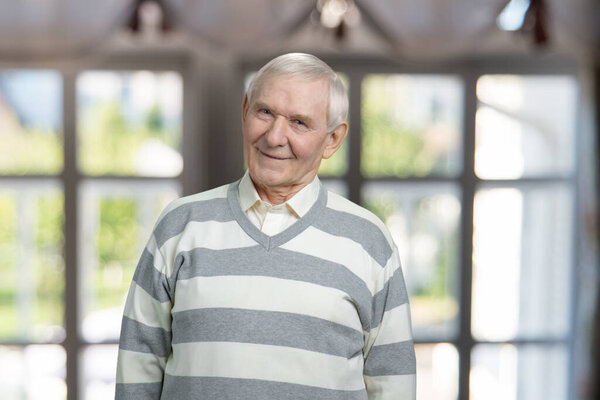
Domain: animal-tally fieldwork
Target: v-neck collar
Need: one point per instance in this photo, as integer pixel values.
(270, 242)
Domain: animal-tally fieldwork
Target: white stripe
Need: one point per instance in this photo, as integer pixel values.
(391, 387)
(339, 203)
(339, 250)
(158, 261)
(395, 326)
(134, 367)
(216, 193)
(265, 362)
(387, 272)
(268, 294)
(208, 235)
(144, 308)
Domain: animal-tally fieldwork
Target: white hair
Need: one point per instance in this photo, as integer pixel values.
(310, 68)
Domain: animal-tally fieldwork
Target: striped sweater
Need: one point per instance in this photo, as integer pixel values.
(219, 310)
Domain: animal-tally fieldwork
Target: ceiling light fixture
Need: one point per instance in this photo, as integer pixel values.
(527, 16)
(337, 15)
(149, 17)
(512, 16)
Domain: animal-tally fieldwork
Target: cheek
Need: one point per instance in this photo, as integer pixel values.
(308, 149)
(251, 130)
(248, 141)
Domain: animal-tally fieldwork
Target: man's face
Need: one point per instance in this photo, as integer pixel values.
(285, 132)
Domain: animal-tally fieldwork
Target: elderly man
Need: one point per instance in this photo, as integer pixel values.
(271, 287)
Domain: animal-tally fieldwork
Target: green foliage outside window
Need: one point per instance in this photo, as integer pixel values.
(337, 164)
(118, 250)
(32, 309)
(434, 299)
(8, 260)
(389, 148)
(49, 261)
(407, 133)
(31, 151)
(30, 122)
(109, 144)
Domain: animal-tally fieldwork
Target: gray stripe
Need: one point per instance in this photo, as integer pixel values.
(358, 229)
(138, 391)
(278, 263)
(136, 336)
(391, 359)
(150, 279)
(209, 388)
(392, 295)
(175, 221)
(266, 327)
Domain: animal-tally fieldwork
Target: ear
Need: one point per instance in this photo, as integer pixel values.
(245, 108)
(335, 139)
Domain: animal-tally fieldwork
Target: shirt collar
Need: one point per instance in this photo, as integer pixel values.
(299, 204)
(248, 194)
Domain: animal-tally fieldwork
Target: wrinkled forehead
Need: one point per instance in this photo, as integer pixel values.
(295, 98)
(298, 80)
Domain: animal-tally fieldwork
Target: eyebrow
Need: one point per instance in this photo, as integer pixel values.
(304, 118)
(258, 105)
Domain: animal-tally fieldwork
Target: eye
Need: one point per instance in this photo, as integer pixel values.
(299, 125)
(264, 114)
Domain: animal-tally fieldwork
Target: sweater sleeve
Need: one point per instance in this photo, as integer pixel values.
(390, 364)
(145, 341)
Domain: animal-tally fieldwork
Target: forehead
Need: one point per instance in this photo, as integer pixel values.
(295, 94)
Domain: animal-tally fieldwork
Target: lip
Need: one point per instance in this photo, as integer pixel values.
(272, 157)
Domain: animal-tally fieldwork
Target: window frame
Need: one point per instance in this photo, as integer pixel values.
(196, 155)
(71, 179)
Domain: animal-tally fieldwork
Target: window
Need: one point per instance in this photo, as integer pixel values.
(512, 210)
(474, 172)
(523, 241)
(80, 190)
(410, 158)
(31, 236)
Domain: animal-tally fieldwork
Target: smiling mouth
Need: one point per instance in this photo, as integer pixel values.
(273, 157)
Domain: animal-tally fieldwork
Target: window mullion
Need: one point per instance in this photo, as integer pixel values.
(468, 183)
(70, 182)
(354, 176)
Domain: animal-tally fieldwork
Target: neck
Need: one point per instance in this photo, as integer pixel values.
(277, 194)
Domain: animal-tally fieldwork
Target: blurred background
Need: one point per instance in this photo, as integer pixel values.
(473, 135)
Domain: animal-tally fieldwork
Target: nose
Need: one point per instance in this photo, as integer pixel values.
(277, 133)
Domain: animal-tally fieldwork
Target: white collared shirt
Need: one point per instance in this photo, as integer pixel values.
(273, 219)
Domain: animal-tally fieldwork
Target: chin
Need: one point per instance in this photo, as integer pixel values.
(267, 178)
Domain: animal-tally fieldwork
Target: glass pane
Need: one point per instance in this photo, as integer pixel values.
(525, 126)
(411, 125)
(31, 263)
(437, 371)
(31, 122)
(522, 260)
(116, 221)
(99, 372)
(336, 186)
(129, 123)
(35, 372)
(529, 372)
(424, 222)
(337, 164)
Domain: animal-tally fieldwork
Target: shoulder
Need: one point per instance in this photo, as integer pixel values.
(193, 201)
(205, 206)
(359, 219)
(342, 204)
